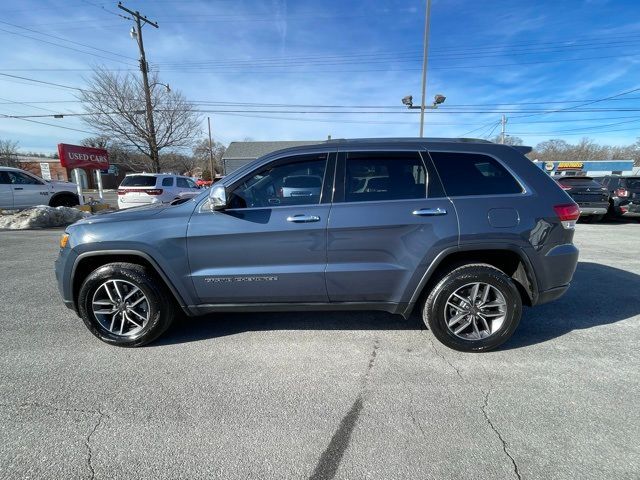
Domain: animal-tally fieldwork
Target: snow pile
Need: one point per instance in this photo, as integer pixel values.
(41, 217)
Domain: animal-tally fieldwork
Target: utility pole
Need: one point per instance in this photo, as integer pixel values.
(503, 122)
(213, 173)
(144, 67)
(424, 65)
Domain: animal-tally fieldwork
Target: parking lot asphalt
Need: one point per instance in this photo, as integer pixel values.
(323, 395)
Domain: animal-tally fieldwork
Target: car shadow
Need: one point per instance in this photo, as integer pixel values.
(599, 295)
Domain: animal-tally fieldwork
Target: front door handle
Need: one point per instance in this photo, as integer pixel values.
(429, 212)
(18, 188)
(303, 218)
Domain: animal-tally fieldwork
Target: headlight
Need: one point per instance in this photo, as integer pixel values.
(63, 240)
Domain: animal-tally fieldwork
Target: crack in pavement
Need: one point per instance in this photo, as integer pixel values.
(329, 461)
(446, 360)
(499, 435)
(87, 442)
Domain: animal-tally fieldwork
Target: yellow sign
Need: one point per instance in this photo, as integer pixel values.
(570, 165)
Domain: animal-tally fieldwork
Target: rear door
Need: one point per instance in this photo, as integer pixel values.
(6, 192)
(265, 247)
(388, 221)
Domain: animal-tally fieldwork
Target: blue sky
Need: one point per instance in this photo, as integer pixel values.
(538, 61)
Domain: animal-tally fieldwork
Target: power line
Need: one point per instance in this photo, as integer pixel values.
(67, 40)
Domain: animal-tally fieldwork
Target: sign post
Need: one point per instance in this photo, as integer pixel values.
(76, 156)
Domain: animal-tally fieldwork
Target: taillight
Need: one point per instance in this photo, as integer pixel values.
(564, 187)
(621, 192)
(155, 191)
(280, 192)
(122, 192)
(567, 214)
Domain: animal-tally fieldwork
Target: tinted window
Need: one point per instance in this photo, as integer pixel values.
(632, 183)
(473, 174)
(18, 178)
(4, 178)
(294, 181)
(182, 182)
(167, 182)
(384, 176)
(139, 181)
(580, 182)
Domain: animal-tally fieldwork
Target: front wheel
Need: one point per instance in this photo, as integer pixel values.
(124, 304)
(474, 308)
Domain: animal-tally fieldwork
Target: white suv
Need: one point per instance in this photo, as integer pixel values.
(21, 189)
(145, 188)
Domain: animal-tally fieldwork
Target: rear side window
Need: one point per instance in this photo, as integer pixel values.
(138, 181)
(465, 174)
(167, 182)
(4, 178)
(384, 176)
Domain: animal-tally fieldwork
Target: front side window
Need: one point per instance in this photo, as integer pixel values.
(294, 181)
(465, 174)
(384, 176)
(18, 178)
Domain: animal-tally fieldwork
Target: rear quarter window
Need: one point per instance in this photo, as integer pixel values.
(138, 181)
(580, 182)
(465, 174)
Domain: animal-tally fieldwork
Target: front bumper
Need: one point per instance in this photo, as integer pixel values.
(63, 270)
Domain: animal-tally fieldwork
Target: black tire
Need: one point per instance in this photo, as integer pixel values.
(597, 218)
(64, 200)
(433, 313)
(159, 301)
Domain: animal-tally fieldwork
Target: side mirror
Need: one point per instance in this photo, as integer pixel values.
(218, 197)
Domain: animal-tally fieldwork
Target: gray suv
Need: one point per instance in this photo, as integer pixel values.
(467, 230)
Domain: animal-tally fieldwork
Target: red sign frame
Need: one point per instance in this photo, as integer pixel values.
(76, 156)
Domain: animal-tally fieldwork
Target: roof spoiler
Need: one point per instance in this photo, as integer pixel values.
(522, 149)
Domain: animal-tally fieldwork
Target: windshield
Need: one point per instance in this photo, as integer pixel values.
(139, 181)
(633, 183)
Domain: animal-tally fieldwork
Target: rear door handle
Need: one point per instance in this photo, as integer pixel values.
(303, 218)
(18, 188)
(429, 212)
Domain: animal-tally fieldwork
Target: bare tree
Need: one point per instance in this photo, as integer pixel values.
(9, 153)
(201, 153)
(508, 140)
(115, 102)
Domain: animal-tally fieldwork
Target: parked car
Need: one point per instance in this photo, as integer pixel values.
(21, 189)
(144, 188)
(301, 186)
(467, 231)
(590, 195)
(200, 183)
(624, 195)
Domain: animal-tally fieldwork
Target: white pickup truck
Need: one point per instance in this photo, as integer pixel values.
(21, 189)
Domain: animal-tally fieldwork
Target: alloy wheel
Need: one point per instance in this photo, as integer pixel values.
(120, 307)
(475, 311)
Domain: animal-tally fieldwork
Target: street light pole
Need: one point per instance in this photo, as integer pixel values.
(424, 65)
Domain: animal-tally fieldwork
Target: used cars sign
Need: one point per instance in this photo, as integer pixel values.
(76, 156)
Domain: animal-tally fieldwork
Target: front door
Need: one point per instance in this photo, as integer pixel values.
(269, 245)
(388, 221)
(27, 190)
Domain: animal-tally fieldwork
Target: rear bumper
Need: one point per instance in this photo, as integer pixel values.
(586, 211)
(554, 272)
(632, 209)
(551, 294)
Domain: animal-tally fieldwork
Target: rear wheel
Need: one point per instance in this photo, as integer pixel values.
(125, 305)
(474, 308)
(65, 200)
